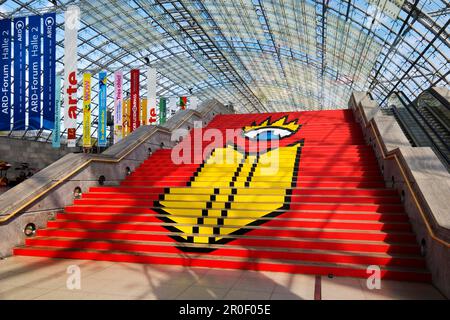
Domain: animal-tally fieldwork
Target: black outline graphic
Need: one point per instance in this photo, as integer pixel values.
(189, 237)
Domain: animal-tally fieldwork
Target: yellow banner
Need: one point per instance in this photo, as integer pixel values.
(125, 117)
(144, 112)
(87, 110)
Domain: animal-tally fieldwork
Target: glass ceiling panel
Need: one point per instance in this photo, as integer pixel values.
(259, 55)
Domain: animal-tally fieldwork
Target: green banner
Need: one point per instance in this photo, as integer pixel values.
(162, 110)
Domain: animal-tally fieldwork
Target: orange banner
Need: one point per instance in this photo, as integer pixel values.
(144, 118)
(125, 117)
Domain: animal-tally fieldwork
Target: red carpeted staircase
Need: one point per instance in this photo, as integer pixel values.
(336, 215)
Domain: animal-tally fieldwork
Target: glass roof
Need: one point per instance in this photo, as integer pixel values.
(260, 55)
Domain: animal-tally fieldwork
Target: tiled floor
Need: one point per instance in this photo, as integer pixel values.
(43, 278)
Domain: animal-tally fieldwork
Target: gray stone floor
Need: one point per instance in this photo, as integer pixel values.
(43, 278)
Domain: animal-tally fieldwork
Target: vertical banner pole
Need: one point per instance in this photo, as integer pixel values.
(5, 67)
(70, 73)
(118, 100)
(19, 73)
(87, 143)
(102, 109)
(49, 72)
(134, 100)
(34, 72)
(56, 141)
(151, 95)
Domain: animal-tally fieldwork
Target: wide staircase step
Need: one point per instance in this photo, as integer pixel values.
(323, 210)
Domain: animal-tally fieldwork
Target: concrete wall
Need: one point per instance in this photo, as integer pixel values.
(37, 154)
(443, 92)
(37, 199)
(427, 205)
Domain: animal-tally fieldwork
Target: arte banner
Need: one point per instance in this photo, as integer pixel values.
(153, 117)
(162, 110)
(183, 103)
(118, 100)
(193, 102)
(34, 72)
(5, 67)
(102, 121)
(134, 100)
(87, 143)
(19, 73)
(144, 112)
(151, 96)
(49, 72)
(56, 140)
(71, 17)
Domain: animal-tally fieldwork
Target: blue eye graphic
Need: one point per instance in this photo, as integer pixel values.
(268, 133)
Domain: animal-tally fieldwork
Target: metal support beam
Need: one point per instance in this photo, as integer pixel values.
(438, 35)
(190, 28)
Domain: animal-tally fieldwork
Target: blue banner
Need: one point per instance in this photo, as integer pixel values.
(102, 110)
(5, 69)
(49, 71)
(19, 73)
(56, 141)
(34, 72)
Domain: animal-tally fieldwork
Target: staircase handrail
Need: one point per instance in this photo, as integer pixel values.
(393, 154)
(403, 124)
(75, 162)
(433, 144)
(431, 94)
(411, 104)
(440, 98)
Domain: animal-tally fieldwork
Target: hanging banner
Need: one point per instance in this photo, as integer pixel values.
(183, 103)
(70, 73)
(193, 102)
(162, 111)
(49, 71)
(144, 112)
(153, 118)
(151, 96)
(56, 141)
(134, 100)
(172, 106)
(5, 67)
(118, 99)
(102, 121)
(87, 110)
(34, 72)
(128, 117)
(19, 73)
(125, 117)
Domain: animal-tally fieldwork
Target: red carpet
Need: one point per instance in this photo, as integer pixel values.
(326, 211)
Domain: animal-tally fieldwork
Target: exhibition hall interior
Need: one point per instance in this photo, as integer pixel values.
(225, 150)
